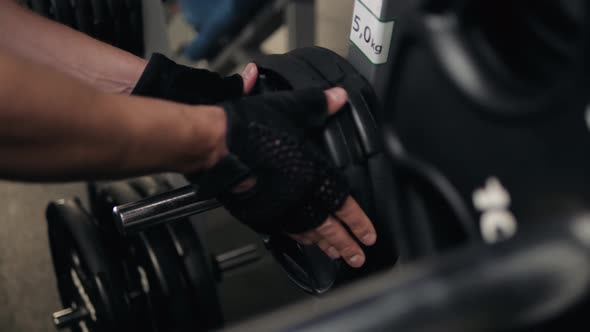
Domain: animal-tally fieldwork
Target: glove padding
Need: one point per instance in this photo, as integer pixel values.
(297, 188)
(165, 79)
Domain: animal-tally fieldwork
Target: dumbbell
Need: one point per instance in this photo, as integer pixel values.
(158, 280)
(395, 195)
(352, 140)
(175, 206)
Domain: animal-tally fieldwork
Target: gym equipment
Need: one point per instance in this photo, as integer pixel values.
(514, 124)
(495, 152)
(88, 285)
(358, 154)
(491, 135)
(504, 104)
(159, 280)
(505, 127)
(116, 22)
(352, 141)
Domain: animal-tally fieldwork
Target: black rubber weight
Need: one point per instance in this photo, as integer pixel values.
(351, 140)
(196, 262)
(72, 231)
(182, 289)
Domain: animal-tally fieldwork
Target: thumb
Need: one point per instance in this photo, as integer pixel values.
(336, 98)
(249, 77)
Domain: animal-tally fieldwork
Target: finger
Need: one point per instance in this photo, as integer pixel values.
(307, 238)
(245, 185)
(336, 98)
(249, 75)
(306, 108)
(328, 249)
(333, 232)
(358, 222)
(301, 239)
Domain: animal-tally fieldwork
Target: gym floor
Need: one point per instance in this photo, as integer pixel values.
(28, 292)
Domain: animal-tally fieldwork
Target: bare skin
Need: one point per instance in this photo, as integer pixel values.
(64, 116)
(43, 41)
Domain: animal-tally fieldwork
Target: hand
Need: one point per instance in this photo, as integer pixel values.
(289, 187)
(331, 236)
(334, 239)
(164, 79)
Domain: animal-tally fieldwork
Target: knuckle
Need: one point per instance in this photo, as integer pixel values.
(323, 244)
(328, 229)
(330, 233)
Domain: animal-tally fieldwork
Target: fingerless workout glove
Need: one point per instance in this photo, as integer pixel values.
(165, 79)
(297, 188)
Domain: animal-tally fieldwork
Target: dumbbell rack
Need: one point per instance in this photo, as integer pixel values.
(156, 280)
(519, 283)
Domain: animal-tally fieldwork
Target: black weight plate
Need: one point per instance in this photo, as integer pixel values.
(102, 22)
(92, 190)
(117, 22)
(306, 266)
(119, 19)
(135, 26)
(126, 22)
(64, 13)
(144, 253)
(83, 16)
(194, 256)
(352, 142)
(169, 289)
(371, 177)
(127, 34)
(109, 195)
(181, 287)
(535, 143)
(41, 7)
(199, 271)
(84, 273)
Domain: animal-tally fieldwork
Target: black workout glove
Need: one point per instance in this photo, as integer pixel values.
(297, 188)
(165, 79)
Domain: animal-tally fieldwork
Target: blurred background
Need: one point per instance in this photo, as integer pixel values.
(28, 293)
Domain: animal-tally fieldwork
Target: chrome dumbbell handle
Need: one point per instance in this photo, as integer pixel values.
(173, 205)
(70, 317)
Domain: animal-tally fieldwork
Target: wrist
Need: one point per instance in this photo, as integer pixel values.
(219, 149)
(163, 136)
(207, 143)
(134, 69)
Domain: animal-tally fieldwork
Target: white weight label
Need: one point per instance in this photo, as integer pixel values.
(369, 34)
(374, 5)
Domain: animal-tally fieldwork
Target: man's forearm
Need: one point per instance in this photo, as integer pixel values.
(34, 37)
(53, 128)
